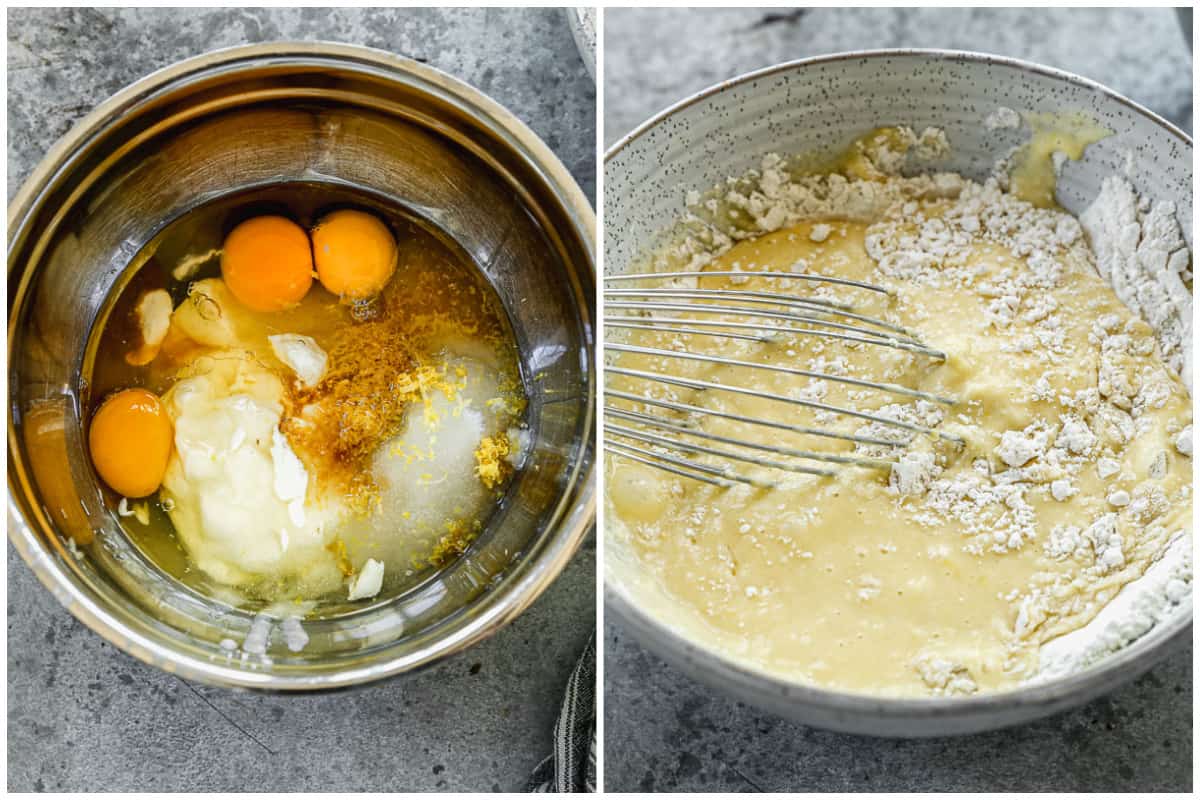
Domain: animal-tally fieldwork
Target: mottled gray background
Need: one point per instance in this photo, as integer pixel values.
(655, 57)
(83, 716)
(664, 732)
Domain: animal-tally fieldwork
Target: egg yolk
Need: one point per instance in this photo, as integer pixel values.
(130, 440)
(267, 263)
(355, 254)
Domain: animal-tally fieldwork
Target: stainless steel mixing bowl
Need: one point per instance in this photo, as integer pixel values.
(819, 106)
(257, 116)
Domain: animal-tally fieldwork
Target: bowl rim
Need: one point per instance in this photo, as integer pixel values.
(758, 685)
(976, 56)
(507, 601)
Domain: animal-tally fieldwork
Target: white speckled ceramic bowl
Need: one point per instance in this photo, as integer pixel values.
(819, 106)
(582, 22)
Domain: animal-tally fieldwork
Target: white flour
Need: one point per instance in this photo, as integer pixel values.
(1139, 249)
(1002, 118)
(1137, 608)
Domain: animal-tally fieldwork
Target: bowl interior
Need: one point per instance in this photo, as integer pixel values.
(817, 108)
(226, 123)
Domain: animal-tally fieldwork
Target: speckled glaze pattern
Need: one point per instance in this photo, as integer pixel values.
(583, 30)
(818, 107)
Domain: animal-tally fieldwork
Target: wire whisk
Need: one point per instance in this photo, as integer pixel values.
(668, 435)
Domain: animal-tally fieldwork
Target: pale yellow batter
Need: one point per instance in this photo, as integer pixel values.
(946, 573)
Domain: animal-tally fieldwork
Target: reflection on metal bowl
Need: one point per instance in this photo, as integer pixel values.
(257, 116)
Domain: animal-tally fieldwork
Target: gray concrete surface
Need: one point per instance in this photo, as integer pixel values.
(655, 57)
(664, 732)
(85, 717)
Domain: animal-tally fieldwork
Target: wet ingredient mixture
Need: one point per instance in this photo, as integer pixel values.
(962, 566)
(305, 409)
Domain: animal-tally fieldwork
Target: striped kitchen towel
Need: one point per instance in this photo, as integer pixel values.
(572, 765)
